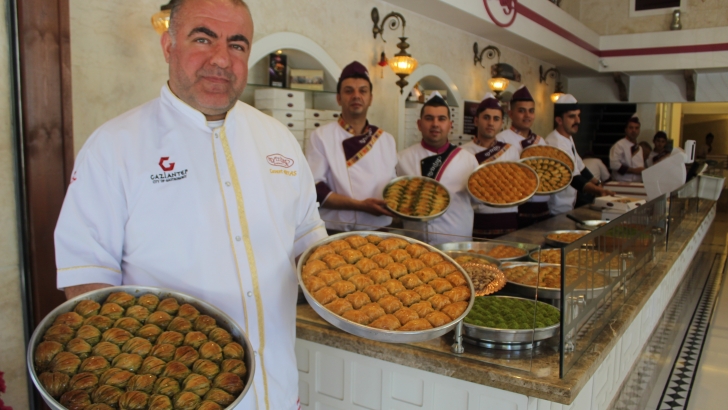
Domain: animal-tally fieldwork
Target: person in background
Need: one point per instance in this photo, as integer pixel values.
(567, 119)
(703, 151)
(625, 156)
(663, 149)
(491, 222)
(597, 168)
(520, 136)
(351, 160)
(435, 157)
(646, 150)
(198, 192)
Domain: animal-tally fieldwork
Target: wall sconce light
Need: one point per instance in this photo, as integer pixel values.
(497, 83)
(160, 20)
(554, 73)
(402, 63)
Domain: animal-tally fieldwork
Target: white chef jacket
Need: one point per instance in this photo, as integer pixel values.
(458, 220)
(620, 155)
(564, 201)
(515, 139)
(365, 179)
(510, 154)
(157, 198)
(597, 168)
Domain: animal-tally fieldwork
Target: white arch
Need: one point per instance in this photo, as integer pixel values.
(274, 42)
(427, 70)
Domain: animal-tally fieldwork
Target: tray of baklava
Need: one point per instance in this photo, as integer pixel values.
(503, 184)
(416, 198)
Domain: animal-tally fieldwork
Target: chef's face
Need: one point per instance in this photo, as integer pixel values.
(570, 121)
(490, 122)
(632, 131)
(435, 124)
(522, 114)
(354, 97)
(207, 52)
(660, 144)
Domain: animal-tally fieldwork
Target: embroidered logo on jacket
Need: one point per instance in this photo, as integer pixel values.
(167, 175)
(279, 160)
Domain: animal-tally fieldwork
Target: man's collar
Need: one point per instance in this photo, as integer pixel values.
(185, 109)
(433, 149)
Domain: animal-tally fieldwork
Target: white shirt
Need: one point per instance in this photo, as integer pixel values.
(621, 155)
(597, 168)
(564, 201)
(510, 154)
(458, 220)
(515, 139)
(365, 179)
(159, 199)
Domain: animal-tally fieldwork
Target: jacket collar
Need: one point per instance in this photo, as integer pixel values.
(194, 116)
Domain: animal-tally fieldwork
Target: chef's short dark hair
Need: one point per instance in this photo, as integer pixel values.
(660, 134)
(176, 5)
(356, 75)
(435, 102)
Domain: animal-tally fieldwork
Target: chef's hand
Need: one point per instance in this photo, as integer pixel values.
(375, 207)
(605, 192)
(73, 291)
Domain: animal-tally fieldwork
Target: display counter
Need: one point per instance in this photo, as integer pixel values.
(339, 370)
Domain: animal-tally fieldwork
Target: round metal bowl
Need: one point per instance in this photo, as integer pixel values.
(388, 336)
(544, 292)
(571, 175)
(591, 224)
(554, 242)
(526, 154)
(484, 246)
(223, 320)
(487, 259)
(507, 205)
(510, 336)
(417, 218)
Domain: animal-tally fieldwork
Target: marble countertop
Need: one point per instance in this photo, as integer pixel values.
(532, 373)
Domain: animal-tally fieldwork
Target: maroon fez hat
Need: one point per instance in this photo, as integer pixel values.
(522, 94)
(489, 102)
(354, 69)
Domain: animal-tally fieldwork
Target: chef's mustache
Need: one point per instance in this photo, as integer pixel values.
(216, 72)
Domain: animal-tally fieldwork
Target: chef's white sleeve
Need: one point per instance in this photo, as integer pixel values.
(616, 154)
(89, 235)
(309, 226)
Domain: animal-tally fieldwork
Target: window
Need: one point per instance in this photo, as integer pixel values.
(642, 5)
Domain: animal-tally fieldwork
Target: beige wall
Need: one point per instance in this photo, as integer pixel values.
(612, 16)
(698, 131)
(117, 62)
(12, 344)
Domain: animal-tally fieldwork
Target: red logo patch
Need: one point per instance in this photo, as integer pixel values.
(166, 168)
(502, 12)
(279, 160)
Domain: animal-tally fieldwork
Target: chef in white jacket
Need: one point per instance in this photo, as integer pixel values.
(567, 119)
(625, 157)
(198, 192)
(491, 222)
(436, 158)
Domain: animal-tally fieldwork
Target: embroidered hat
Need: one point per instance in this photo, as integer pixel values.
(489, 102)
(522, 94)
(355, 69)
(564, 104)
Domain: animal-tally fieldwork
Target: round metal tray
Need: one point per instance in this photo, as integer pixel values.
(484, 246)
(417, 218)
(100, 295)
(389, 336)
(544, 292)
(553, 242)
(523, 161)
(508, 205)
(510, 336)
(455, 254)
(569, 165)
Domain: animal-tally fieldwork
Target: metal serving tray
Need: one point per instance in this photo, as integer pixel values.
(455, 254)
(100, 295)
(548, 293)
(553, 242)
(417, 218)
(611, 271)
(388, 336)
(571, 175)
(508, 205)
(483, 246)
(510, 336)
(526, 151)
(591, 224)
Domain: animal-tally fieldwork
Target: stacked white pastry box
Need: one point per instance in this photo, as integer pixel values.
(286, 106)
(317, 118)
(412, 134)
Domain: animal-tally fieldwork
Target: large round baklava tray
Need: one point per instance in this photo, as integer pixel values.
(416, 198)
(135, 347)
(550, 152)
(553, 175)
(503, 184)
(385, 287)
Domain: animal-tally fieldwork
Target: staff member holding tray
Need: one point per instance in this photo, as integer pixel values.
(492, 222)
(436, 158)
(198, 192)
